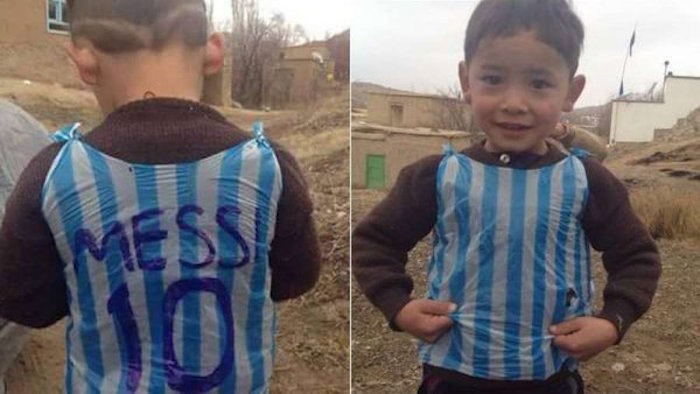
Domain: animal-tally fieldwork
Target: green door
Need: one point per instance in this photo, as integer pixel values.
(376, 172)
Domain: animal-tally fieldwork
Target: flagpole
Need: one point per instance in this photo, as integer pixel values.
(624, 65)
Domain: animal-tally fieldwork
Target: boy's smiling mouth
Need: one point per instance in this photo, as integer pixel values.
(513, 126)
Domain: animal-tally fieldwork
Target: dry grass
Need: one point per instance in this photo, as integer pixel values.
(667, 213)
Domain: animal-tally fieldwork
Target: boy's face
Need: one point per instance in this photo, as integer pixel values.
(517, 87)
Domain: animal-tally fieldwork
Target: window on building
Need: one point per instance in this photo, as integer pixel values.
(396, 115)
(57, 16)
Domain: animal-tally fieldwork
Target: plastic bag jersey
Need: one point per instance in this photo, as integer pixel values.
(509, 250)
(166, 268)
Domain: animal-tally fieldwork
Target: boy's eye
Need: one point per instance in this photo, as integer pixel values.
(492, 79)
(540, 84)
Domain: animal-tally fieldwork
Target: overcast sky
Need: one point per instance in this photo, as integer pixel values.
(416, 45)
(317, 16)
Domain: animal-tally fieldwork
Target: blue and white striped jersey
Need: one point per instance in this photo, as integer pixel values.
(166, 268)
(509, 250)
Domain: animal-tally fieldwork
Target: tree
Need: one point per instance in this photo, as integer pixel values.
(452, 112)
(256, 47)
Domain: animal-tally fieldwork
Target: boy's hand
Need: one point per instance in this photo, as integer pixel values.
(425, 319)
(584, 337)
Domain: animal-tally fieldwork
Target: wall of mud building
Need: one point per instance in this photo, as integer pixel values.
(415, 110)
(399, 150)
(29, 50)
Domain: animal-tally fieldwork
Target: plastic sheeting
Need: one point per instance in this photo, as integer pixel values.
(21, 138)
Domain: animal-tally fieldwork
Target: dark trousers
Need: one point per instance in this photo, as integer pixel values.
(441, 381)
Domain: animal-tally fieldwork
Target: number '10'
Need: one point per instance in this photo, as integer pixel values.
(119, 306)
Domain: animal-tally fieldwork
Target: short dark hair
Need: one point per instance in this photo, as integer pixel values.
(116, 26)
(553, 22)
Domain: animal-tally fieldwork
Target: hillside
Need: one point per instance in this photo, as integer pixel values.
(360, 90)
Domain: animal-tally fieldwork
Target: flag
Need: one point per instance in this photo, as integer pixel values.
(634, 33)
(622, 90)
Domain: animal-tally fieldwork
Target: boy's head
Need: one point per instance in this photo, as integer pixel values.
(155, 44)
(128, 25)
(519, 70)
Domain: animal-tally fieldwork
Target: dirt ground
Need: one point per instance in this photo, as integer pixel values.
(312, 347)
(660, 352)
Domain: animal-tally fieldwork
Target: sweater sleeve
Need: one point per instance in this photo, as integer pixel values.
(381, 241)
(32, 288)
(630, 256)
(295, 257)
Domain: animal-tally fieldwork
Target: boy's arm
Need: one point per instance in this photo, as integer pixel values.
(32, 288)
(381, 241)
(630, 255)
(295, 256)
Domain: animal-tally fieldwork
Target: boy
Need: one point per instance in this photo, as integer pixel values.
(154, 232)
(509, 300)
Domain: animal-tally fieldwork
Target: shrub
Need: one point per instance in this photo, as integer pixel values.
(667, 213)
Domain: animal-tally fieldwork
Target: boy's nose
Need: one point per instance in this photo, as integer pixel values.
(513, 102)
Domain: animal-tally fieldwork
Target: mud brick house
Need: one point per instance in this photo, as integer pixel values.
(300, 75)
(407, 109)
(402, 127)
(32, 36)
(380, 152)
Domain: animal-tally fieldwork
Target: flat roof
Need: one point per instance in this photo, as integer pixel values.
(683, 76)
(662, 101)
(412, 94)
(373, 128)
(637, 101)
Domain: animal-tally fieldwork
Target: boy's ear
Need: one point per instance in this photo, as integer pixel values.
(464, 81)
(85, 59)
(575, 88)
(214, 54)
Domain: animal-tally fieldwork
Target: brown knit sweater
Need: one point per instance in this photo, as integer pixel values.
(383, 238)
(155, 131)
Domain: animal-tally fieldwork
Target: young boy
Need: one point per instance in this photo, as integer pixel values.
(166, 233)
(509, 300)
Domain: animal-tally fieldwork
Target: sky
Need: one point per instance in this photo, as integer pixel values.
(416, 45)
(318, 17)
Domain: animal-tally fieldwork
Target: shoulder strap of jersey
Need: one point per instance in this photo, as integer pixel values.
(67, 133)
(259, 134)
(447, 149)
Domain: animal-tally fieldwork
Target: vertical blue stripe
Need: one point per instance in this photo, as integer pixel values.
(569, 193)
(69, 351)
(147, 191)
(113, 259)
(72, 219)
(578, 262)
(463, 185)
(186, 178)
(435, 244)
(586, 251)
(438, 260)
(228, 179)
(258, 293)
(482, 323)
(544, 185)
(516, 228)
